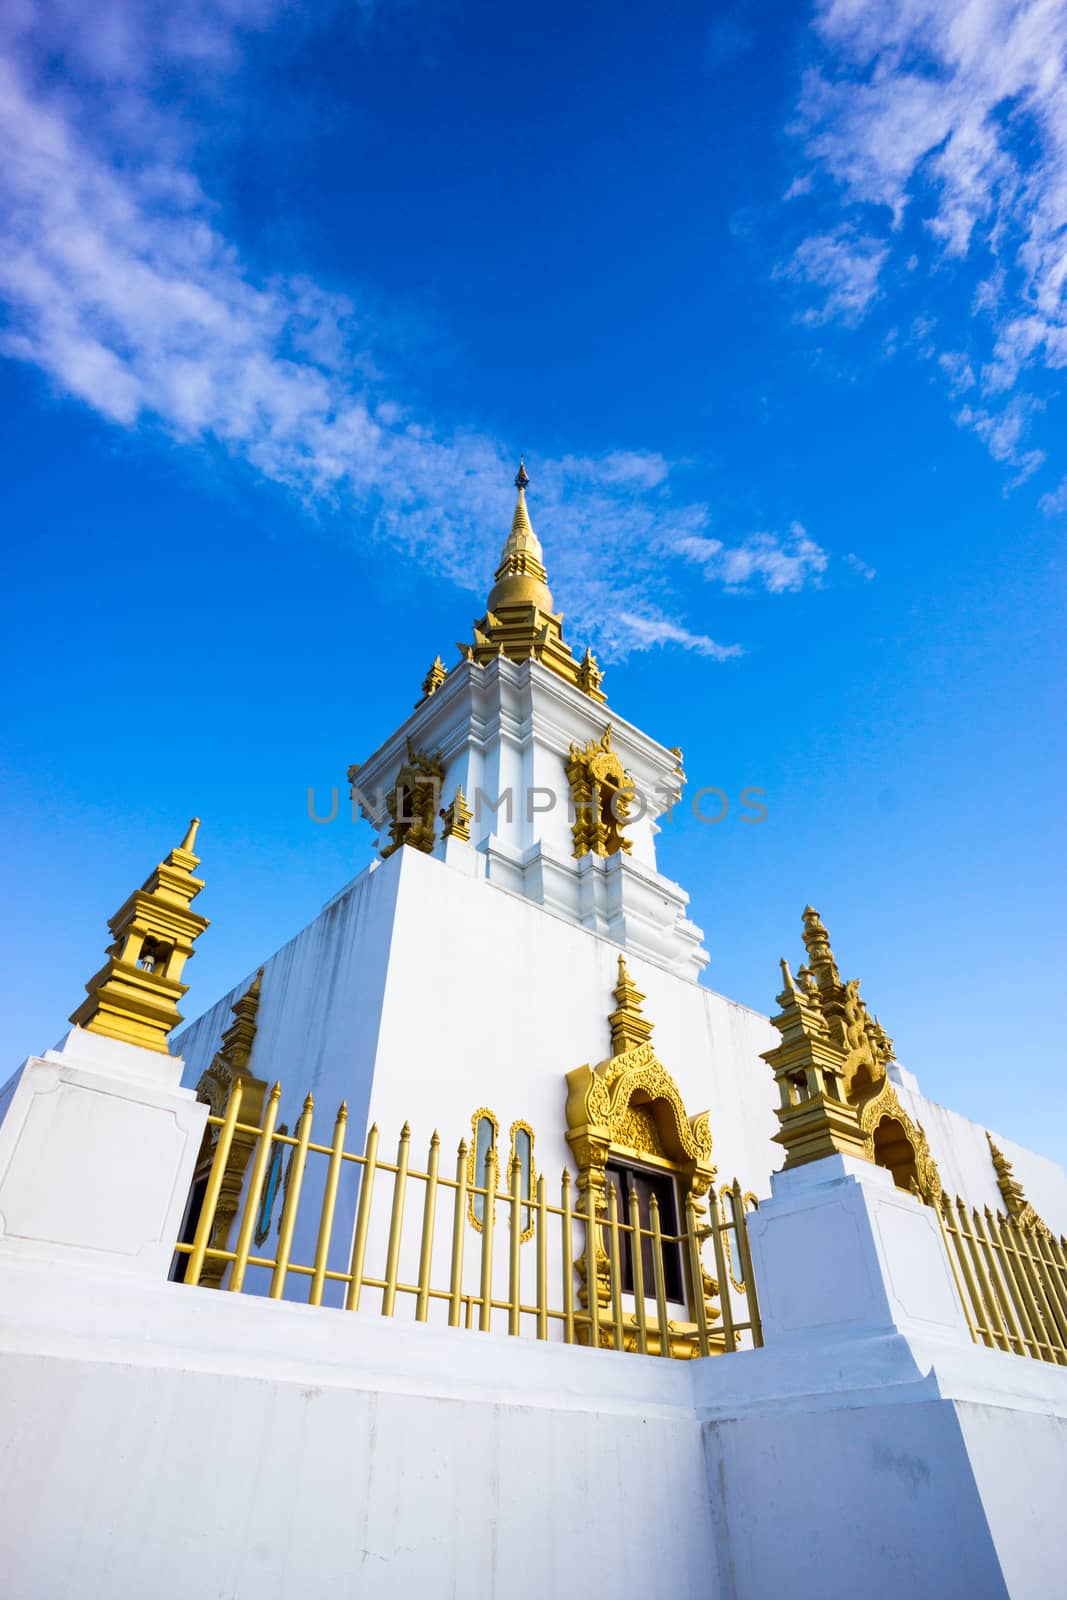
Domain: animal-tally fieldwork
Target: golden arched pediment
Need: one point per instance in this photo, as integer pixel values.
(884, 1108)
(602, 1100)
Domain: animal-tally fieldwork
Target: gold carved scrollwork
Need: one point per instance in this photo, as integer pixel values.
(601, 792)
(884, 1114)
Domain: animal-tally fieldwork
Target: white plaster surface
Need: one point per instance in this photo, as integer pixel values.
(98, 1161)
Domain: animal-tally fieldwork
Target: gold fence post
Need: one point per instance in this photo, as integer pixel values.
(997, 1278)
(637, 1256)
(1013, 1276)
(485, 1313)
(960, 1290)
(459, 1222)
(722, 1272)
(255, 1192)
(1053, 1287)
(567, 1251)
(359, 1236)
(292, 1200)
(751, 1288)
(592, 1276)
(657, 1275)
(329, 1203)
(214, 1186)
(993, 1317)
(1054, 1333)
(696, 1272)
(396, 1221)
(514, 1246)
(541, 1224)
(615, 1268)
(429, 1219)
(952, 1223)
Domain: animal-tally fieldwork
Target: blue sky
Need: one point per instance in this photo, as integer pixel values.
(773, 300)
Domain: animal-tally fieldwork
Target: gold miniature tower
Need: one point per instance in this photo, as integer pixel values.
(134, 997)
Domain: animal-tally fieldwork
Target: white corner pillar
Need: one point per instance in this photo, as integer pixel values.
(839, 1249)
(97, 1149)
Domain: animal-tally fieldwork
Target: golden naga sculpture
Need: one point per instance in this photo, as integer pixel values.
(413, 802)
(630, 1107)
(520, 621)
(229, 1063)
(831, 1071)
(134, 997)
(601, 791)
(1012, 1193)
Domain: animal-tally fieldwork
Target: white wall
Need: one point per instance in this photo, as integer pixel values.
(176, 1442)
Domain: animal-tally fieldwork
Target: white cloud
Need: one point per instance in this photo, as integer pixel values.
(779, 564)
(1054, 504)
(845, 265)
(860, 567)
(954, 113)
(648, 631)
(122, 286)
(1003, 433)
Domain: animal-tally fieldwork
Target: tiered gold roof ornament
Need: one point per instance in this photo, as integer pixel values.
(831, 1071)
(134, 997)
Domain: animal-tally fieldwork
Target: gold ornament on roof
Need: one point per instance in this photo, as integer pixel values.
(831, 1070)
(134, 997)
(1012, 1193)
(413, 802)
(433, 680)
(520, 621)
(601, 792)
(457, 818)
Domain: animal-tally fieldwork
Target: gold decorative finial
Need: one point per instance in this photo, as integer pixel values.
(628, 1027)
(434, 679)
(134, 995)
(457, 818)
(521, 622)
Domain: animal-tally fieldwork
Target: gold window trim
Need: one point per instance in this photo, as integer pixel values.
(601, 1124)
(472, 1156)
(520, 1126)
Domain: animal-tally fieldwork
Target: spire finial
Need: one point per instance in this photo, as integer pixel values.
(522, 477)
(189, 842)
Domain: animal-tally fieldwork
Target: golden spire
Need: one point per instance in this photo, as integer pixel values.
(521, 578)
(520, 621)
(134, 995)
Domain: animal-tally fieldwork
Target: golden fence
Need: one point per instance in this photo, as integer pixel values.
(721, 1312)
(1012, 1279)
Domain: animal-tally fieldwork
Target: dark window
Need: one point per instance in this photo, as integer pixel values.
(193, 1209)
(646, 1182)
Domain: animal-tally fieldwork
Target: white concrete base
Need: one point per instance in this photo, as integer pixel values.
(839, 1246)
(172, 1441)
(97, 1149)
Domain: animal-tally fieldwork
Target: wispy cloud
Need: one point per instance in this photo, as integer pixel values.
(780, 565)
(123, 286)
(936, 132)
(860, 567)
